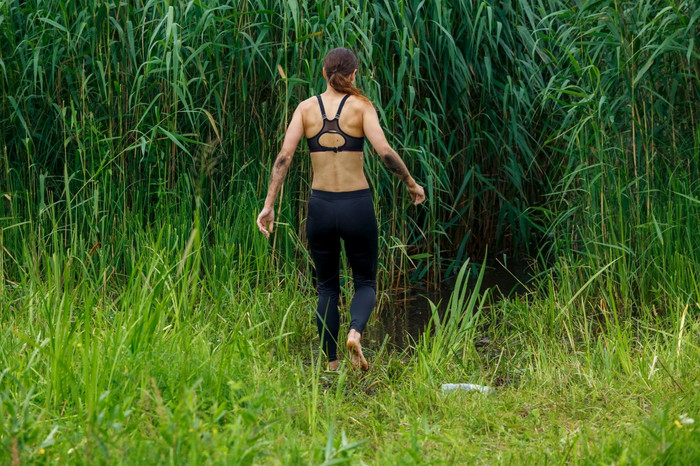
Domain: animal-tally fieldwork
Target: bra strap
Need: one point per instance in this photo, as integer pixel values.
(340, 107)
(320, 104)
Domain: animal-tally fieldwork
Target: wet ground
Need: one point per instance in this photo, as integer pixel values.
(402, 318)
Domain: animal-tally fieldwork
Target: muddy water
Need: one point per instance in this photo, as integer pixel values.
(402, 318)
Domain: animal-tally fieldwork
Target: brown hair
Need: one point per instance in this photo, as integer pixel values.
(339, 65)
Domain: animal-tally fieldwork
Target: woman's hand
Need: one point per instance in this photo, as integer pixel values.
(266, 219)
(417, 193)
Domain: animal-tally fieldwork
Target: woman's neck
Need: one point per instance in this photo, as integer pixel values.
(332, 92)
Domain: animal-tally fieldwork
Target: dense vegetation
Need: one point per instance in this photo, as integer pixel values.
(144, 319)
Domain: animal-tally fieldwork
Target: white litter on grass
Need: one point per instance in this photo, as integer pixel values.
(468, 387)
(685, 420)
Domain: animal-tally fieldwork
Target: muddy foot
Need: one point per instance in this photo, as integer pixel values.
(355, 349)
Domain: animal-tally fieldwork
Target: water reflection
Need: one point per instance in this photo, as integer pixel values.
(403, 317)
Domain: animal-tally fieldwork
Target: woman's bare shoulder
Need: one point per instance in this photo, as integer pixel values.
(304, 104)
(360, 104)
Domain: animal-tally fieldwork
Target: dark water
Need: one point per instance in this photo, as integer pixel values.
(403, 317)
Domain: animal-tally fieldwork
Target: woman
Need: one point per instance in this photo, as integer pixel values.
(340, 205)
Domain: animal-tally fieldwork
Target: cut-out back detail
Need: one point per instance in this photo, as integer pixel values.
(350, 143)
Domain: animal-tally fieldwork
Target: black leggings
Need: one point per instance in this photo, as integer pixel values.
(350, 216)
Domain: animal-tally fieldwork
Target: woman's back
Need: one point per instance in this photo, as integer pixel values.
(333, 169)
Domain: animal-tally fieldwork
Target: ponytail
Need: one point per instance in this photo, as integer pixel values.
(344, 85)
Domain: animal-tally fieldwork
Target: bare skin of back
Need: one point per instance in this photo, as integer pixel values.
(335, 171)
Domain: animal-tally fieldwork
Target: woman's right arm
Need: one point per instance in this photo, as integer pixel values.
(295, 131)
(392, 161)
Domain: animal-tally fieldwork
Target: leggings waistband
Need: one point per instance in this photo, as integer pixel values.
(334, 196)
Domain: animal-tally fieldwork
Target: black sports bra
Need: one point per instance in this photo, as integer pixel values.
(351, 144)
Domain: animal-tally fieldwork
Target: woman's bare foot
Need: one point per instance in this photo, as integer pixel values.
(333, 365)
(356, 356)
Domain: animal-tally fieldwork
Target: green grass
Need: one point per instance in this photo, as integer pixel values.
(173, 368)
(144, 320)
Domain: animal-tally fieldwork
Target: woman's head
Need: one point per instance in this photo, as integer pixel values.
(340, 60)
(340, 65)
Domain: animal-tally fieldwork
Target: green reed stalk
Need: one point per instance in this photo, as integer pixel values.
(575, 125)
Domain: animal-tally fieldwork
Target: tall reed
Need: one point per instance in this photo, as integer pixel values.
(117, 116)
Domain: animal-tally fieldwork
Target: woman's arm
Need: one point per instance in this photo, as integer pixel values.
(295, 131)
(392, 161)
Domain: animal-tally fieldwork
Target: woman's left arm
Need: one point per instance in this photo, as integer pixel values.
(295, 131)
